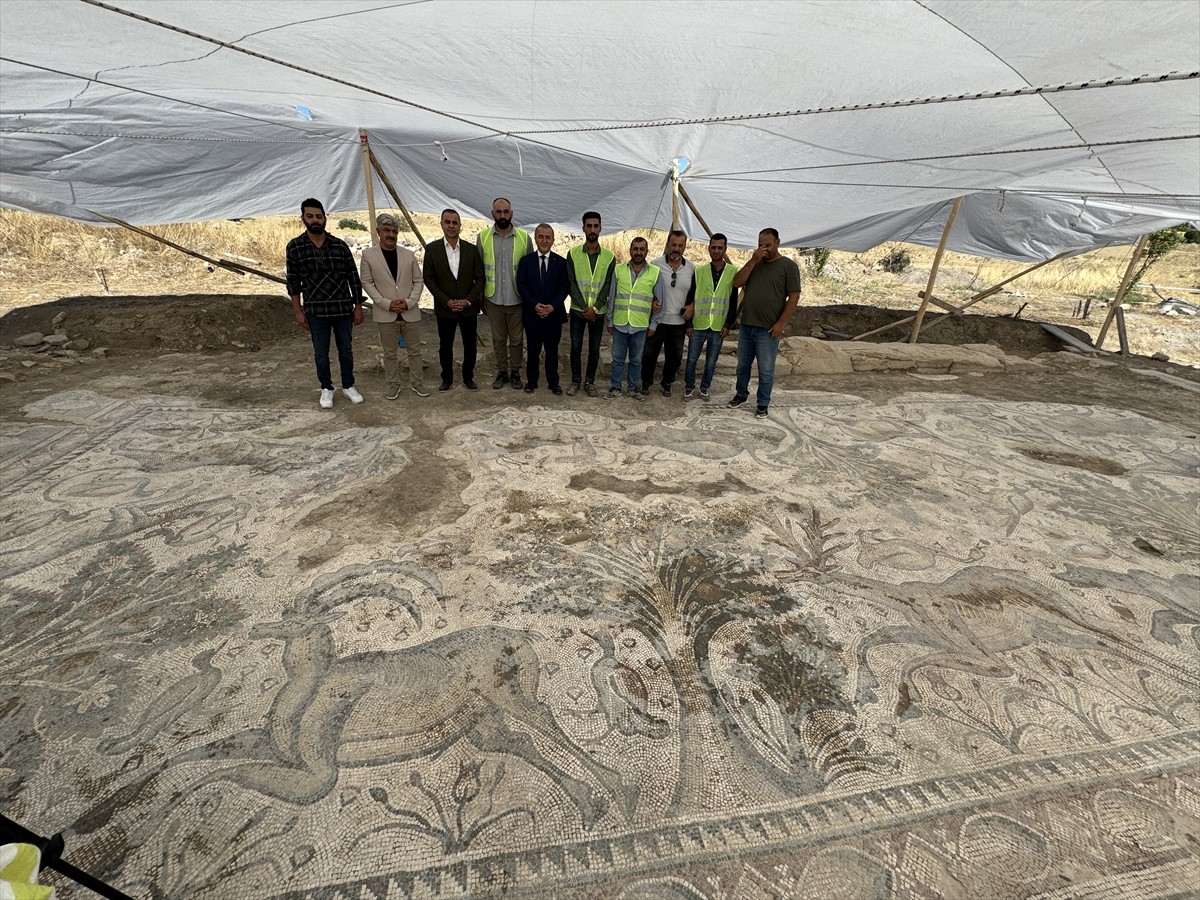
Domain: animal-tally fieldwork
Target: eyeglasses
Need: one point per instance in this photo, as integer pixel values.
(673, 274)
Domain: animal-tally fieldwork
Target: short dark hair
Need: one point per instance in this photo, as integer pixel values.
(311, 203)
(637, 239)
(591, 214)
(771, 231)
(676, 232)
(718, 237)
(444, 211)
(498, 199)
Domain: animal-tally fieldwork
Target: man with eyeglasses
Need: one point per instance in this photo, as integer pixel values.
(679, 293)
(502, 248)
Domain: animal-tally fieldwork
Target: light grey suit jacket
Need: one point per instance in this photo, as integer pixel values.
(377, 281)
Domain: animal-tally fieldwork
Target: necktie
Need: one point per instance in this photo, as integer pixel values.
(543, 267)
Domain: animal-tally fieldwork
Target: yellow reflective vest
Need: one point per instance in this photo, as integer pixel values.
(635, 299)
(590, 280)
(521, 245)
(712, 302)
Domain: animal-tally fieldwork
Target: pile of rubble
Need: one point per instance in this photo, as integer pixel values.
(58, 349)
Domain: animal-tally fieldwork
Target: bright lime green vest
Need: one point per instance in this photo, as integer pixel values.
(635, 299)
(712, 303)
(590, 281)
(521, 247)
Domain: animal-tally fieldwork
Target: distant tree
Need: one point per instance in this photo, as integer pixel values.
(1160, 244)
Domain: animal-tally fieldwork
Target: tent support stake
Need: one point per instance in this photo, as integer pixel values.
(937, 261)
(1125, 282)
(365, 147)
(387, 183)
(224, 264)
(674, 196)
(695, 212)
(982, 295)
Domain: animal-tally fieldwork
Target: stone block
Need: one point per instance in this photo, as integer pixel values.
(29, 340)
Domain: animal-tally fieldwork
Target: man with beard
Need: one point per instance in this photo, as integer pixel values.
(542, 282)
(590, 272)
(678, 296)
(713, 315)
(634, 309)
(770, 285)
(391, 276)
(502, 248)
(453, 273)
(321, 268)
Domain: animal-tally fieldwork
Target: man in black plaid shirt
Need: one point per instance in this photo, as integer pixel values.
(321, 267)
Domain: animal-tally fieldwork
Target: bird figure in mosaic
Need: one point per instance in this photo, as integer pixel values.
(622, 695)
(180, 698)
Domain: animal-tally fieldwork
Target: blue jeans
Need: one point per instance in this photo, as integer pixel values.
(627, 347)
(756, 343)
(711, 337)
(342, 329)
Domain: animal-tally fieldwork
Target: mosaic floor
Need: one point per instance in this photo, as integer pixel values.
(934, 648)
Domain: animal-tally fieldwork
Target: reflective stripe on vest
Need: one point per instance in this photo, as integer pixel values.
(635, 299)
(712, 303)
(520, 249)
(590, 281)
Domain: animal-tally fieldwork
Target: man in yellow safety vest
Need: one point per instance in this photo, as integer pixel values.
(502, 248)
(589, 272)
(713, 313)
(634, 310)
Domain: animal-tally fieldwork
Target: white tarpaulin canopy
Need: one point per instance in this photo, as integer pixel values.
(158, 111)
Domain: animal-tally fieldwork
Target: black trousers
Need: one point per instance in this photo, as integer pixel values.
(595, 331)
(668, 338)
(469, 325)
(543, 334)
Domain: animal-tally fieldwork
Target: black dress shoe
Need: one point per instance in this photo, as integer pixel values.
(515, 380)
(556, 390)
(444, 386)
(500, 380)
(470, 385)
(530, 388)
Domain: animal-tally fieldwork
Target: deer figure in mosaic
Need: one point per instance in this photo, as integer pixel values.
(380, 707)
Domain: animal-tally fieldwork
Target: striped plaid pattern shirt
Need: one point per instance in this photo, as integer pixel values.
(326, 276)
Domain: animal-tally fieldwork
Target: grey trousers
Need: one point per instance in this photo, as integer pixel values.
(389, 333)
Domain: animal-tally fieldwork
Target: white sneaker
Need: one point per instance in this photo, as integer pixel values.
(326, 399)
(352, 394)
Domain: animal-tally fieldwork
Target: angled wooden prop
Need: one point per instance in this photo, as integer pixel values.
(365, 147)
(1121, 291)
(937, 261)
(387, 183)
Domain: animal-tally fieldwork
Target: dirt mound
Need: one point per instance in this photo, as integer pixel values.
(191, 323)
(1016, 336)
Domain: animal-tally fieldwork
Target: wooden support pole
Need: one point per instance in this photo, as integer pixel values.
(933, 270)
(674, 196)
(223, 263)
(365, 147)
(1125, 282)
(982, 295)
(387, 183)
(1122, 335)
(695, 212)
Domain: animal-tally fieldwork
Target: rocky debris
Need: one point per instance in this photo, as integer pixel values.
(77, 344)
(56, 340)
(58, 320)
(1160, 356)
(32, 339)
(809, 356)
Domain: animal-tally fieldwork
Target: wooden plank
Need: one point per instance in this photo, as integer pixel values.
(937, 301)
(695, 212)
(387, 183)
(365, 147)
(1121, 334)
(1070, 340)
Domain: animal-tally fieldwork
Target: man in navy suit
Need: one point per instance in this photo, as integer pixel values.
(543, 286)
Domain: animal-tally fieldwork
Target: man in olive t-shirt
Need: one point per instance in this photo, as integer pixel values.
(770, 286)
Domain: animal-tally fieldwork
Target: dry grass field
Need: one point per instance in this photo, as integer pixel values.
(43, 258)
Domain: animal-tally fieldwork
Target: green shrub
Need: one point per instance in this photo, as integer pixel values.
(351, 225)
(1160, 244)
(818, 261)
(895, 262)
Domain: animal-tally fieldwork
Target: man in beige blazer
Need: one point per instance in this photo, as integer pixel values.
(391, 277)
